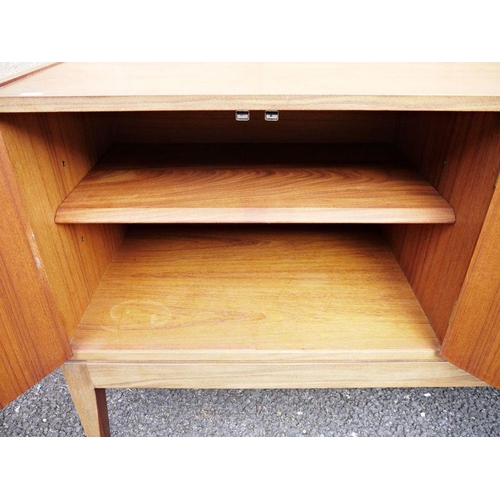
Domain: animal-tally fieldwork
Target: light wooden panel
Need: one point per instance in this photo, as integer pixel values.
(279, 375)
(221, 127)
(253, 294)
(473, 338)
(231, 86)
(250, 183)
(51, 154)
(32, 335)
(460, 155)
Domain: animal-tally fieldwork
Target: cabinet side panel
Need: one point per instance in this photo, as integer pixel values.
(221, 127)
(32, 335)
(473, 338)
(51, 153)
(459, 153)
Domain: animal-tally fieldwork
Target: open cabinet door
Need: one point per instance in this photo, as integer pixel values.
(473, 338)
(33, 341)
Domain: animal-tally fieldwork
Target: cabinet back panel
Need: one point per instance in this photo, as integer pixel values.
(50, 154)
(221, 126)
(459, 153)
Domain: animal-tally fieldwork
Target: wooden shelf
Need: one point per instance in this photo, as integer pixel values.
(249, 294)
(282, 183)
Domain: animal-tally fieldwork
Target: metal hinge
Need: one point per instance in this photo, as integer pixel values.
(272, 116)
(242, 116)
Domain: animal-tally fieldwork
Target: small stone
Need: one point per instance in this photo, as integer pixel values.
(422, 414)
(427, 395)
(44, 420)
(300, 413)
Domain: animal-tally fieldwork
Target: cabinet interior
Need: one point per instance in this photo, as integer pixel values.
(327, 236)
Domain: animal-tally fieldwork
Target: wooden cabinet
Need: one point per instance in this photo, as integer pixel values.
(151, 239)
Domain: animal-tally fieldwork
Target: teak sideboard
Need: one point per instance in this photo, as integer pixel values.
(249, 226)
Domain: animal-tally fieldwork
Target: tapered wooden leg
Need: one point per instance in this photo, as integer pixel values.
(90, 402)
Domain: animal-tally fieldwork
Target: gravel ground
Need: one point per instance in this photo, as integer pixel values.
(47, 409)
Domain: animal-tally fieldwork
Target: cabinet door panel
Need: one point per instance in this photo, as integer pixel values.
(32, 336)
(473, 338)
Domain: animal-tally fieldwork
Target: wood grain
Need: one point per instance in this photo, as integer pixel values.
(90, 402)
(250, 183)
(460, 155)
(279, 375)
(473, 338)
(32, 336)
(221, 127)
(272, 293)
(257, 86)
(50, 155)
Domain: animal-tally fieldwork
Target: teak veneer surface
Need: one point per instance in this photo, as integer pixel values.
(271, 293)
(459, 153)
(254, 183)
(222, 86)
(473, 339)
(32, 335)
(50, 154)
(220, 127)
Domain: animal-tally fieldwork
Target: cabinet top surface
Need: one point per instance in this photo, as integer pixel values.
(228, 86)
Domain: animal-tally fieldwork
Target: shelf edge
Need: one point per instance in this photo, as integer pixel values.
(257, 215)
(28, 104)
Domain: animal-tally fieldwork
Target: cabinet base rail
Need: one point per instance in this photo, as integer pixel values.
(87, 381)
